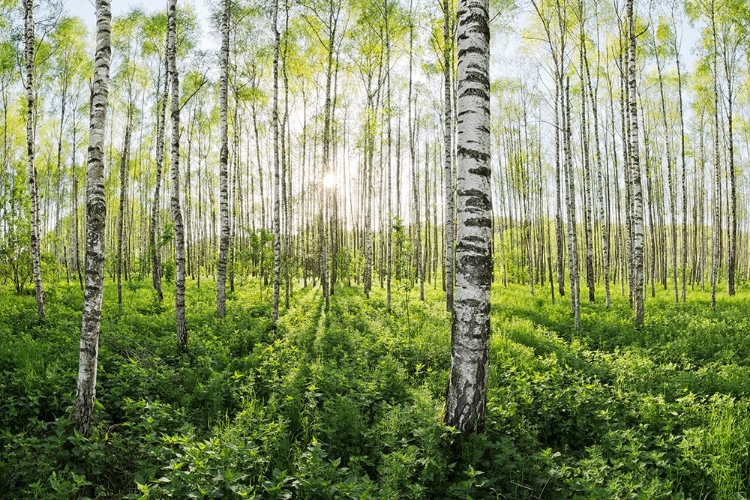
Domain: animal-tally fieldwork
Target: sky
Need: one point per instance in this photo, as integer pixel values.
(86, 10)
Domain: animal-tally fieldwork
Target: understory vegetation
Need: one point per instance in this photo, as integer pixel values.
(347, 403)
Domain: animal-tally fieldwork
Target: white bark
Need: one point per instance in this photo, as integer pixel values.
(160, 124)
(467, 389)
(570, 196)
(716, 226)
(449, 240)
(635, 178)
(95, 220)
(276, 172)
(179, 229)
(36, 254)
(124, 161)
(684, 165)
(221, 267)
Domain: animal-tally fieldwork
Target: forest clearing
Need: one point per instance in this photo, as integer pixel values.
(325, 249)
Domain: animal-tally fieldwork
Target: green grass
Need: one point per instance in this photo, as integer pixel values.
(347, 403)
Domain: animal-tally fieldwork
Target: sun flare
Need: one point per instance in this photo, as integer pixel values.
(329, 181)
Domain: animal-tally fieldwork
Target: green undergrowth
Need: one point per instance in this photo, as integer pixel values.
(347, 402)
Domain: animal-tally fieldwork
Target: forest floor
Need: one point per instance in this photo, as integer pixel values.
(346, 403)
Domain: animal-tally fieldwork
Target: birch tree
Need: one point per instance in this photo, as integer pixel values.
(570, 199)
(221, 267)
(635, 176)
(36, 254)
(95, 221)
(179, 230)
(716, 230)
(276, 170)
(449, 240)
(467, 387)
(161, 115)
(676, 47)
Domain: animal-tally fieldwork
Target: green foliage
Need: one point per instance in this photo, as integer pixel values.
(347, 403)
(15, 257)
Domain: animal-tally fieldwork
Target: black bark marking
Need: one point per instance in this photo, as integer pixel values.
(463, 246)
(478, 156)
(482, 171)
(478, 222)
(478, 201)
(474, 91)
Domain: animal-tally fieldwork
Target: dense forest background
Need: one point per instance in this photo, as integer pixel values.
(283, 193)
(384, 139)
(385, 108)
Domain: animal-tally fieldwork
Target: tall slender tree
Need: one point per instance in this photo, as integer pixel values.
(179, 229)
(449, 206)
(121, 215)
(96, 211)
(716, 226)
(676, 48)
(570, 198)
(221, 266)
(635, 174)
(467, 387)
(161, 119)
(276, 169)
(36, 253)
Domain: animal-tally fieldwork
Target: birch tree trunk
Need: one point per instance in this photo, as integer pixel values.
(58, 206)
(160, 126)
(449, 240)
(467, 388)
(179, 229)
(221, 266)
(327, 118)
(635, 176)
(387, 113)
(276, 173)
(124, 161)
(570, 195)
(417, 217)
(368, 189)
(670, 170)
(684, 166)
(603, 181)
(716, 226)
(36, 255)
(286, 171)
(587, 202)
(732, 259)
(95, 220)
(74, 171)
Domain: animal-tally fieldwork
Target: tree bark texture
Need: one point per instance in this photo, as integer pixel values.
(95, 221)
(179, 229)
(36, 254)
(221, 266)
(160, 126)
(635, 177)
(449, 229)
(467, 388)
(276, 172)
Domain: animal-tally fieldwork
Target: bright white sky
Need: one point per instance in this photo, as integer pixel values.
(86, 10)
